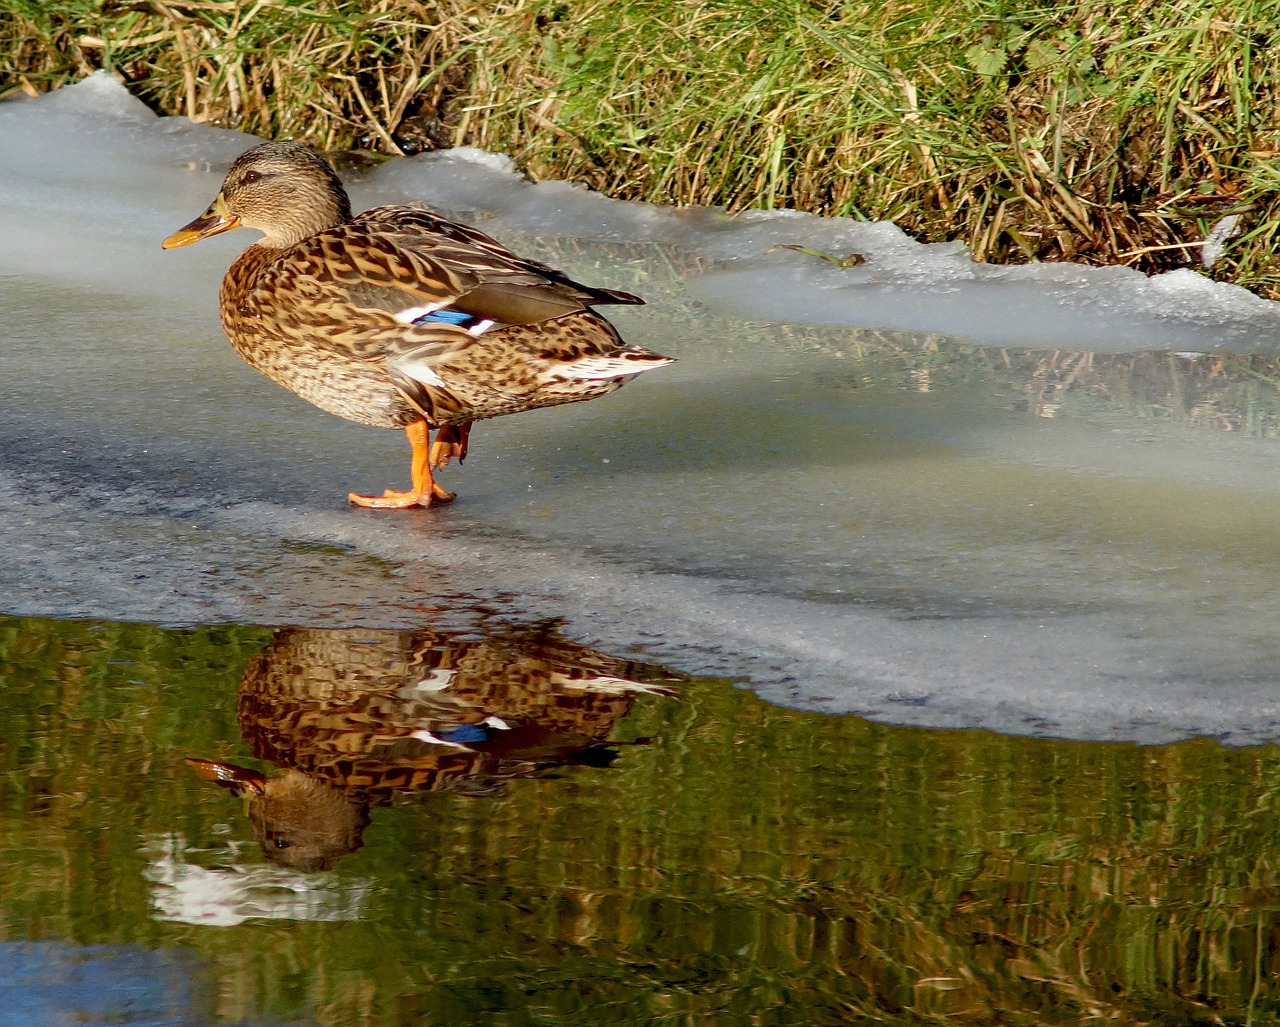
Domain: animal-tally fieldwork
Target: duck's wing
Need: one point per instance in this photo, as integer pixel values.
(504, 278)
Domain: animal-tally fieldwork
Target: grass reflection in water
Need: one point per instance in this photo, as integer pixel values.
(744, 864)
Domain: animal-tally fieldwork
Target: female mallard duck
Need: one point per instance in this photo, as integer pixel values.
(399, 318)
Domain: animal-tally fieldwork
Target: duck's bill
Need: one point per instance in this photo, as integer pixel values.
(238, 779)
(213, 221)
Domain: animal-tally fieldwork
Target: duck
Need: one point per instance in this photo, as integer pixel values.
(399, 318)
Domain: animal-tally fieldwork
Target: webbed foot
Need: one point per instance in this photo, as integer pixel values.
(434, 495)
(425, 491)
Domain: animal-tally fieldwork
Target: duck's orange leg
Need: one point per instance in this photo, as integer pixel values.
(451, 441)
(425, 491)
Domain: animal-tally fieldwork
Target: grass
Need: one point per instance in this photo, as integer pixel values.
(1097, 131)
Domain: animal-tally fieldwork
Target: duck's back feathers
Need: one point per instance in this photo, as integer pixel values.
(411, 263)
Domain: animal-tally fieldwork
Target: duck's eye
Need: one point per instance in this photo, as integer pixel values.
(249, 177)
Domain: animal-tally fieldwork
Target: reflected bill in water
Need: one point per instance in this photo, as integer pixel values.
(356, 717)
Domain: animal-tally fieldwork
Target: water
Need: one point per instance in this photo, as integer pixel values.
(721, 859)
(1040, 501)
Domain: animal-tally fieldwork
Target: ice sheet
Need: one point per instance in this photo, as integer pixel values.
(791, 504)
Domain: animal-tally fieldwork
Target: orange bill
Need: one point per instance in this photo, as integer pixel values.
(215, 220)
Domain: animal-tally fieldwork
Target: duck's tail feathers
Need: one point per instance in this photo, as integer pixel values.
(603, 296)
(620, 365)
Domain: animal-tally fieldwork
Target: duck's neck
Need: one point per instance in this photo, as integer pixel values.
(242, 279)
(309, 223)
(305, 221)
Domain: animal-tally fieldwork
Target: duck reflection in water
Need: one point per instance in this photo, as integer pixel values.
(355, 717)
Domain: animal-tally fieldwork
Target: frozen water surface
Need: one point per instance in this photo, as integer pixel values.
(833, 495)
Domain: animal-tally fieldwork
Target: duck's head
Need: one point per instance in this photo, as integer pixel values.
(284, 190)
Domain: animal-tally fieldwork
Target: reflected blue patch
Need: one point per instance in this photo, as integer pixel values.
(466, 734)
(51, 984)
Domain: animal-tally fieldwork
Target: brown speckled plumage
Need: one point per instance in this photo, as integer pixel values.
(332, 306)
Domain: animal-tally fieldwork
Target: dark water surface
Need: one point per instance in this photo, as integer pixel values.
(239, 825)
